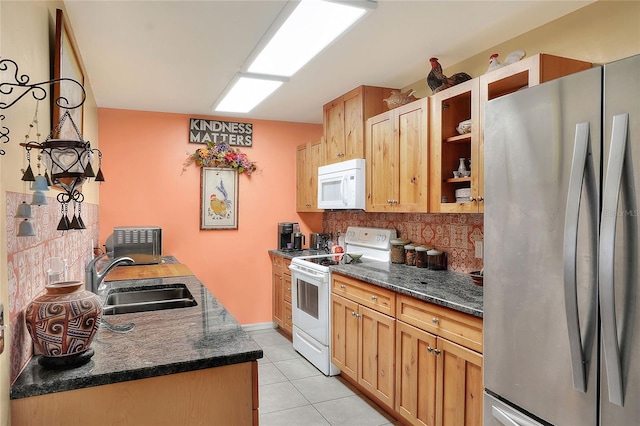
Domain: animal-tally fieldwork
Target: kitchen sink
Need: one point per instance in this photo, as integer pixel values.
(170, 296)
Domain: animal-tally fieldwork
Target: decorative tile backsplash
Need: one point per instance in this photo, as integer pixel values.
(455, 234)
(27, 262)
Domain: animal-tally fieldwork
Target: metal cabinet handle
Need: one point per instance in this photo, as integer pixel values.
(374, 297)
(429, 349)
(582, 174)
(472, 199)
(342, 286)
(437, 351)
(619, 179)
(435, 320)
(481, 198)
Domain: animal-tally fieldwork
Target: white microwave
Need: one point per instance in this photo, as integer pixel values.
(341, 185)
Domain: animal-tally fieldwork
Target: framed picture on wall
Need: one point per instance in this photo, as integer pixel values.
(219, 198)
(67, 65)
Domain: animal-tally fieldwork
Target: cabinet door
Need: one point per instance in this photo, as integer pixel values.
(450, 107)
(334, 131)
(415, 375)
(376, 366)
(315, 159)
(278, 297)
(411, 121)
(344, 336)
(382, 167)
(353, 125)
(459, 385)
(302, 179)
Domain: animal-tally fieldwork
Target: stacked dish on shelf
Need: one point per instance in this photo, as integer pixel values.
(463, 195)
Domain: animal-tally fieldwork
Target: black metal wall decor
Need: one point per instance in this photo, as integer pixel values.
(67, 161)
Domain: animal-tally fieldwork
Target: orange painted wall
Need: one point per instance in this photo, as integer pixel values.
(142, 162)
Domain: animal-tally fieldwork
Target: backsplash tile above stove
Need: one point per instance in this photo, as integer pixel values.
(455, 234)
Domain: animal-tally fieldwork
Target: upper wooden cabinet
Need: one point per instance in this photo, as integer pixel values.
(449, 108)
(397, 158)
(309, 157)
(466, 101)
(344, 121)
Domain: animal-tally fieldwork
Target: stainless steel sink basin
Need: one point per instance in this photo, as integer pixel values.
(170, 296)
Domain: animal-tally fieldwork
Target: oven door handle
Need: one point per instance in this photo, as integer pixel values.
(308, 273)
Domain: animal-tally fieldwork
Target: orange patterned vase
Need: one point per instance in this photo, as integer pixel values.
(62, 324)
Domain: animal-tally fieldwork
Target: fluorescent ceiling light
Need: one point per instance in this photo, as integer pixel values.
(246, 93)
(309, 29)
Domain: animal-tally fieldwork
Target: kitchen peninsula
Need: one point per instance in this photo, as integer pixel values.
(176, 366)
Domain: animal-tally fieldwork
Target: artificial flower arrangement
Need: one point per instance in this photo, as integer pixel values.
(221, 155)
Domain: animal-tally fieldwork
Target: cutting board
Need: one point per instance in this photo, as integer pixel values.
(148, 271)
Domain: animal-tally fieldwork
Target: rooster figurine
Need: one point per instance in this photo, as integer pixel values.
(512, 57)
(437, 81)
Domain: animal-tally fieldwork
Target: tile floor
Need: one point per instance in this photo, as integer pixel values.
(293, 392)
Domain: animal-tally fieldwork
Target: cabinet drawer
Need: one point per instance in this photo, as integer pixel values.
(276, 262)
(372, 296)
(285, 266)
(286, 290)
(288, 318)
(455, 326)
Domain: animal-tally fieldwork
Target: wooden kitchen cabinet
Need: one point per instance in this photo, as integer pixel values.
(281, 293)
(363, 336)
(466, 101)
(438, 378)
(309, 157)
(344, 121)
(228, 394)
(397, 158)
(450, 107)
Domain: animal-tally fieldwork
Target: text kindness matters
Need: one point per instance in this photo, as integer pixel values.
(205, 131)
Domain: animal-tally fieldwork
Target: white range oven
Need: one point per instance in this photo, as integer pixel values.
(311, 292)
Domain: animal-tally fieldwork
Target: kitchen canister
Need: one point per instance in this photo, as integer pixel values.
(410, 255)
(62, 323)
(397, 250)
(436, 259)
(421, 256)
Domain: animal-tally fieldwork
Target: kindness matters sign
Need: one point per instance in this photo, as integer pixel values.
(205, 131)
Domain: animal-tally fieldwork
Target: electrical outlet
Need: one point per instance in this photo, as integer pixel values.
(479, 249)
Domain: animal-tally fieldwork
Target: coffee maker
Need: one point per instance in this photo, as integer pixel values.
(286, 231)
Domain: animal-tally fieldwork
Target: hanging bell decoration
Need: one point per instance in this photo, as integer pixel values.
(23, 211)
(25, 229)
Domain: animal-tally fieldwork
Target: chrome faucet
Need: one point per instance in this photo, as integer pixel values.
(93, 278)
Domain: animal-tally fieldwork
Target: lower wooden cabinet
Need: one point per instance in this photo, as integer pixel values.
(459, 385)
(415, 375)
(281, 293)
(420, 361)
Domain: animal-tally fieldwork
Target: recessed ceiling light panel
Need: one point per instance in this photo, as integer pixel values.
(246, 93)
(309, 29)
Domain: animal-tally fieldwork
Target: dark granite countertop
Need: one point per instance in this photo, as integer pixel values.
(454, 290)
(162, 342)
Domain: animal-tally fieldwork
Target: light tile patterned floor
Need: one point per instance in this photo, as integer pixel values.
(294, 393)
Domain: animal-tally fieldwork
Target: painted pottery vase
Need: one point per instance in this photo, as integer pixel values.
(62, 323)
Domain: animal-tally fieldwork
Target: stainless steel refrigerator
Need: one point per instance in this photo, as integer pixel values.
(561, 305)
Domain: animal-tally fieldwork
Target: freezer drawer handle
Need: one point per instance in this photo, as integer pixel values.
(582, 176)
(619, 180)
(503, 417)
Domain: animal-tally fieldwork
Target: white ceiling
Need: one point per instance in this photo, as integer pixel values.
(178, 56)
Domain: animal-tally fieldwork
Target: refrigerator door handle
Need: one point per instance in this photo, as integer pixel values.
(582, 175)
(619, 176)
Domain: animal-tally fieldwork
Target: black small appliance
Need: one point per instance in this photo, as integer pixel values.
(286, 231)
